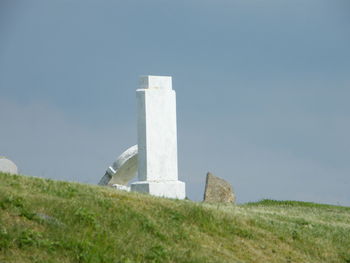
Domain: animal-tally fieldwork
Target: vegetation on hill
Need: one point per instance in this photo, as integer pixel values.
(51, 221)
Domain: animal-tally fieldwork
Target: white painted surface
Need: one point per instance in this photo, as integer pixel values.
(157, 139)
(7, 166)
(121, 187)
(155, 82)
(170, 189)
(123, 170)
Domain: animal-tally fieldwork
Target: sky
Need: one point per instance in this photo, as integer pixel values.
(263, 90)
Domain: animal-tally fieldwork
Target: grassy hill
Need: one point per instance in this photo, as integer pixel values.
(51, 221)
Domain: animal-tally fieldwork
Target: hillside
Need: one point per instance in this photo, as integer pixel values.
(51, 221)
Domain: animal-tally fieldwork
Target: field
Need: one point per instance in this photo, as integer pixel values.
(52, 221)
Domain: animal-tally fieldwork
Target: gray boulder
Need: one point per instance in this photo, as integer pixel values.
(217, 190)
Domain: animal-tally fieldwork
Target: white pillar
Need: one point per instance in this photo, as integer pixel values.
(157, 139)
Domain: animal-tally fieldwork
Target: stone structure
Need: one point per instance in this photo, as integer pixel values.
(157, 139)
(123, 170)
(218, 190)
(7, 166)
(154, 159)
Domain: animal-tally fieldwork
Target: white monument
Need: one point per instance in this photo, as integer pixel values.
(154, 159)
(157, 139)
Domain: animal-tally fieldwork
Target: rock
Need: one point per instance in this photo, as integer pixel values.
(121, 187)
(218, 190)
(7, 166)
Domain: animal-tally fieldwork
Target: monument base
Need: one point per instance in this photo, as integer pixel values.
(169, 189)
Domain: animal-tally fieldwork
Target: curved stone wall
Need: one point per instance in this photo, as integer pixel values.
(123, 170)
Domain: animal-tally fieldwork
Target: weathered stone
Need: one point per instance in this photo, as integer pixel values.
(7, 166)
(217, 190)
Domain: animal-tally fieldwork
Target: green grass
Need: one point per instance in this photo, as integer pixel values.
(50, 221)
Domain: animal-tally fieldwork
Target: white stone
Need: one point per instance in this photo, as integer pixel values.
(155, 82)
(170, 189)
(121, 187)
(123, 170)
(157, 139)
(7, 166)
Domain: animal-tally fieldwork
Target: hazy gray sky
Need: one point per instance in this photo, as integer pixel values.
(263, 89)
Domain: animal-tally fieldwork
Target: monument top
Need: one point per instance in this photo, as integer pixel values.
(156, 82)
